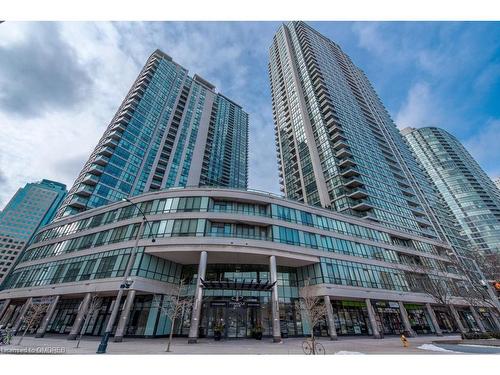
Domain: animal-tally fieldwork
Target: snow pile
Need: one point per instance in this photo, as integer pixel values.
(345, 352)
(435, 348)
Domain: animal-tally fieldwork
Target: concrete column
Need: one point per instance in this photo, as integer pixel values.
(329, 318)
(454, 312)
(274, 300)
(434, 321)
(198, 296)
(8, 315)
(478, 319)
(122, 323)
(373, 320)
(77, 325)
(23, 311)
(5, 306)
(46, 319)
(494, 316)
(406, 320)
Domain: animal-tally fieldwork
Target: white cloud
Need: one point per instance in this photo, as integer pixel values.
(55, 143)
(419, 109)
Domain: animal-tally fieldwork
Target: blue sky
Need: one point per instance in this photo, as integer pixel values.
(62, 82)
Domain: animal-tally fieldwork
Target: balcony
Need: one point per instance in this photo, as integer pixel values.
(370, 216)
(347, 162)
(362, 206)
(423, 222)
(343, 153)
(357, 193)
(115, 134)
(96, 169)
(352, 183)
(340, 144)
(120, 124)
(90, 179)
(101, 160)
(111, 142)
(85, 190)
(352, 171)
(106, 151)
(78, 202)
(338, 136)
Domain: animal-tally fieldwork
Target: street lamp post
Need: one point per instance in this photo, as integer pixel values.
(127, 282)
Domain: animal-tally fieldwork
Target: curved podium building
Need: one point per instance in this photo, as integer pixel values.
(244, 255)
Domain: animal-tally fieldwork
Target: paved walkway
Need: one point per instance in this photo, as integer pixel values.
(345, 345)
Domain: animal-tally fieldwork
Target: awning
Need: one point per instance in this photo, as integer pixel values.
(237, 284)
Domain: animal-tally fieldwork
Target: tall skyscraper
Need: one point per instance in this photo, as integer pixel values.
(337, 145)
(171, 130)
(32, 207)
(467, 189)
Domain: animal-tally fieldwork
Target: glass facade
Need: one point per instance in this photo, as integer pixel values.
(337, 146)
(171, 130)
(471, 195)
(32, 207)
(95, 247)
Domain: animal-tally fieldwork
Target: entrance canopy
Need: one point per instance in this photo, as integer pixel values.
(237, 285)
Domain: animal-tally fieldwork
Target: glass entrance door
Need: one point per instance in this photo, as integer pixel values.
(236, 322)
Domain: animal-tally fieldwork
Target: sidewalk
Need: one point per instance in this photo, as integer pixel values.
(57, 344)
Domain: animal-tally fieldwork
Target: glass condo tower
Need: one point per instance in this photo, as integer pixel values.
(467, 189)
(170, 130)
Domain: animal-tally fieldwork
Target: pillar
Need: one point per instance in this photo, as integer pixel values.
(478, 319)
(23, 311)
(122, 323)
(46, 319)
(8, 315)
(274, 300)
(406, 320)
(330, 321)
(198, 296)
(5, 306)
(494, 316)
(454, 312)
(80, 317)
(434, 321)
(373, 320)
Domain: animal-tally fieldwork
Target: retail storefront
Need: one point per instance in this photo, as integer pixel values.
(445, 320)
(487, 319)
(351, 318)
(419, 318)
(388, 317)
(468, 320)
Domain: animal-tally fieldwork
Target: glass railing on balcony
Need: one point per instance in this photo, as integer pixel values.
(96, 169)
(78, 202)
(85, 190)
(90, 180)
(101, 160)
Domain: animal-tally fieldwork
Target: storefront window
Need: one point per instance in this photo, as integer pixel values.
(351, 318)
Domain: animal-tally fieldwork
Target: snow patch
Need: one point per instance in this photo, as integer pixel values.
(345, 352)
(435, 348)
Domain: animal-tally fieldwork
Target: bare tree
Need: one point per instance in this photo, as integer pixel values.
(469, 286)
(489, 263)
(173, 305)
(422, 279)
(94, 305)
(474, 288)
(313, 307)
(33, 316)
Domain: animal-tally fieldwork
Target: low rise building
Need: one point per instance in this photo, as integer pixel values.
(245, 256)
